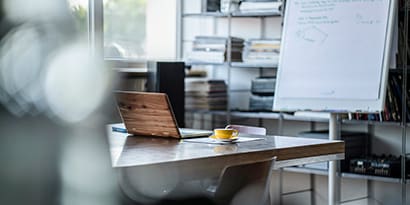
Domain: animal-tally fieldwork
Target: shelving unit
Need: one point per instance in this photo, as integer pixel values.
(229, 64)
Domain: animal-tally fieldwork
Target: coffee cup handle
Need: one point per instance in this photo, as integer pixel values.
(236, 133)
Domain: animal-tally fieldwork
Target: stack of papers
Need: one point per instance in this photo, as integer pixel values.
(260, 6)
(262, 51)
(213, 49)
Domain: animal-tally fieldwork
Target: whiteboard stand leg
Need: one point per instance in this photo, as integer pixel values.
(332, 183)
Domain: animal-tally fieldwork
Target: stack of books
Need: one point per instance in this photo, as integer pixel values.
(262, 51)
(205, 95)
(260, 6)
(212, 49)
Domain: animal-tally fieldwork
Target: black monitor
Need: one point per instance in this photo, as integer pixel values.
(168, 77)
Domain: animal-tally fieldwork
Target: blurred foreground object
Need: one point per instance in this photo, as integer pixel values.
(53, 112)
(53, 146)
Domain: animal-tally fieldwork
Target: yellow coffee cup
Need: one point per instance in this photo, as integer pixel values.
(222, 133)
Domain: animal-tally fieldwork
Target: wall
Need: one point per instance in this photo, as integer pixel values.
(161, 29)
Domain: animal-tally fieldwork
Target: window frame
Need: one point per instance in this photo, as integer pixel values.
(96, 38)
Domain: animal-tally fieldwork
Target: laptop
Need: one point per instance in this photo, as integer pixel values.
(150, 114)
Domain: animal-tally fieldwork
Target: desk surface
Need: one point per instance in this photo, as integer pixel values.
(133, 151)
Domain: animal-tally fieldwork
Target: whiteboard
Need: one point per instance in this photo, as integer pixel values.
(334, 55)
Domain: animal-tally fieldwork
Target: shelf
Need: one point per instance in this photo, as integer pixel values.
(236, 64)
(260, 115)
(257, 14)
(370, 122)
(132, 72)
(370, 177)
(235, 14)
(305, 170)
(204, 63)
(205, 14)
(250, 114)
(291, 117)
(344, 121)
(254, 65)
(125, 63)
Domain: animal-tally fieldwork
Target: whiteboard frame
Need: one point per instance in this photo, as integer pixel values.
(339, 105)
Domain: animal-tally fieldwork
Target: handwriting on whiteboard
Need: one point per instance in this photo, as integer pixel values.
(315, 12)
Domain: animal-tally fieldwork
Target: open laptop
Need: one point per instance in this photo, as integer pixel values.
(150, 114)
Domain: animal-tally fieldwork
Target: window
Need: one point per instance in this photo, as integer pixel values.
(79, 9)
(125, 25)
(125, 29)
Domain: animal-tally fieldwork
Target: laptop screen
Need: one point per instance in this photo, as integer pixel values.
(148, 114)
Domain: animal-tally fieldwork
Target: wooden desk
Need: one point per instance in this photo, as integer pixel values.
(164, 163)
(199, 158)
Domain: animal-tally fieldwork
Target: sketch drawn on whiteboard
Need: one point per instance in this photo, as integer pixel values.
(312, 34)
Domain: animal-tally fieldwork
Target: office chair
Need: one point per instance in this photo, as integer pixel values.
(242, 184)
(248, 129)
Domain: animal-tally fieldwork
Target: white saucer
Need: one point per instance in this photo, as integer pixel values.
(224, 140)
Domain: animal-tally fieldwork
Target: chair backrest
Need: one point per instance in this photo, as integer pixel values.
(248, 129)
(248, 183)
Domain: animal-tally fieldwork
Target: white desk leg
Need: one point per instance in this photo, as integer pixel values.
(332, 164)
